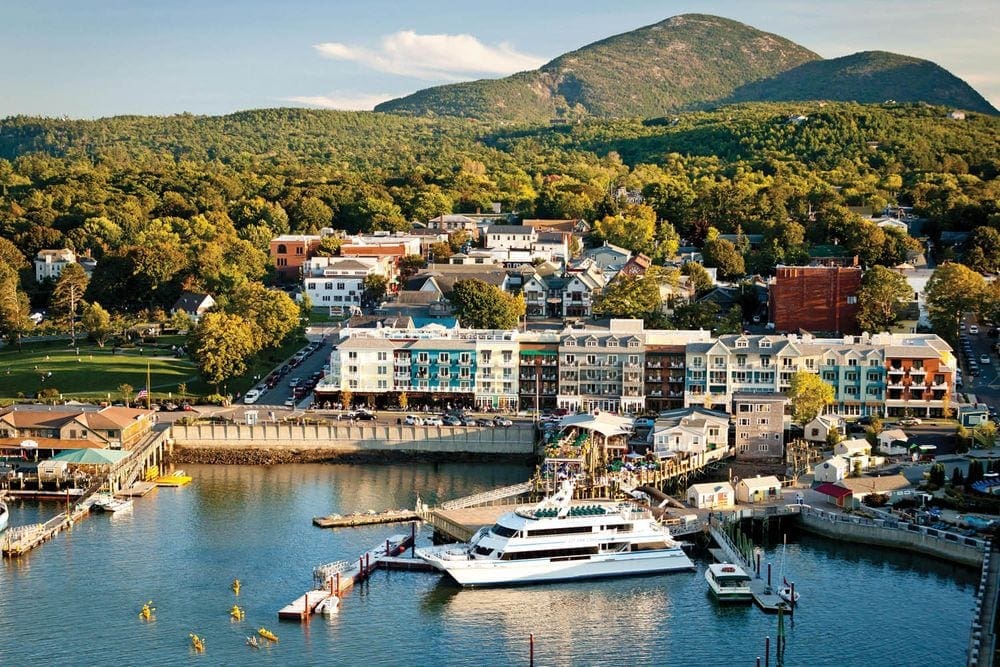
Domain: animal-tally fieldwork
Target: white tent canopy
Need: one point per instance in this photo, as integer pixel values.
(605, 424)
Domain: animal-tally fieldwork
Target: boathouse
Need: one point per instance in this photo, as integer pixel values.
(711, 495)
(758, 490)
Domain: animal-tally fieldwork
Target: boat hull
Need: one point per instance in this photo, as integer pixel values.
(4, 517)
(493, 572)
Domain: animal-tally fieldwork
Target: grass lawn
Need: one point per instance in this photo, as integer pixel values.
(95, 373)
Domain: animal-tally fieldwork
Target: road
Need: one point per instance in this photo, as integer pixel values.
(986, 385)
(313, 363)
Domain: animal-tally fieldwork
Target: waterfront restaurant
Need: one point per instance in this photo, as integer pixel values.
(587, 443)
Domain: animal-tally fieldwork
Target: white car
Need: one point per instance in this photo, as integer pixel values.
(984, 359)
(413, 420)
(433, 421)
(973, 329)
(251, 396)
(290, 402)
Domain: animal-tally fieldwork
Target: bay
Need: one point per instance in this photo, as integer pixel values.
(75, 601)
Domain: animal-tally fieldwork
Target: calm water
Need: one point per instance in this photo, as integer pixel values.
(75, 601)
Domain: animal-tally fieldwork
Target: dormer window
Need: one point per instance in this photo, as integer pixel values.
(764, 344)
(742, 342)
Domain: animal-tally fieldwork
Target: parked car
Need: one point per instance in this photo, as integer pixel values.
(290, 402)
(452, 420)
(433, 421)
(413, 420)
(973, 329)
(468, 421)
(251, 396)
(909, 421)
(484, 422)
(361, 415)
(984, 359)
(502, 421)
(644, 422)
(294, 382)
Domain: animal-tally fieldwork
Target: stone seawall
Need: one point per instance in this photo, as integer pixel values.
(287, 443)
(965, 551)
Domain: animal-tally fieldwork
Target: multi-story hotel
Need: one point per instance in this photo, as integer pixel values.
(625, 368)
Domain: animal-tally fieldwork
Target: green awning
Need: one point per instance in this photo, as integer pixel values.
(543, 353)
(90, 456)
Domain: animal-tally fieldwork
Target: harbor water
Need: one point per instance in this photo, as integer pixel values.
(75, 601)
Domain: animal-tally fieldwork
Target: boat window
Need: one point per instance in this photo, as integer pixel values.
(483, 551)
(565, 530)
(649, 546)
(549, 553)
(503, 531)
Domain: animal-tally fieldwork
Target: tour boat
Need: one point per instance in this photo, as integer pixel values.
(108, 503)
(558, 541)
(4, 516)
(728, 582)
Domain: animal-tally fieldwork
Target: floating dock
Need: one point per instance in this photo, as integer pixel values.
(20, 540)
(137, 490)
(764, 596)
(176, 479)
(337, 577)
(365, 519)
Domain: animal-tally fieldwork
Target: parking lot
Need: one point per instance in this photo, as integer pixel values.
(290, 385)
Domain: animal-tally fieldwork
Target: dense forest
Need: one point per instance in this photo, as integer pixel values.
(165, 204)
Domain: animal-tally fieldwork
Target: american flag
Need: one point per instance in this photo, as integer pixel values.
(142, 394)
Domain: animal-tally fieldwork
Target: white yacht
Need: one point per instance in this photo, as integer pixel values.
(108, 503)
(4, 516)
(728, 582)
(557, 541)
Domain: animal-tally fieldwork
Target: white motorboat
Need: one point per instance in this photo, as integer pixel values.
(558, 541)
(785, 593)
(729, 582)
(4, 516)
(110, 504)
(329, 606)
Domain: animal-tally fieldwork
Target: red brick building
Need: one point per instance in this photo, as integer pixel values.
(815, 298)
(290, 251)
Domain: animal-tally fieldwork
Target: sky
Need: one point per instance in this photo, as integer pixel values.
(94, 58)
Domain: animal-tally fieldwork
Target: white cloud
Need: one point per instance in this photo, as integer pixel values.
(344, 101)
(448, 57)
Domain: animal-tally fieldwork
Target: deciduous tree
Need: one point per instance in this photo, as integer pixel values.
(808, 394)
(97, 322)
(722, 254)
(220, 345)
(953, 290)
(68, 295)
(881, 299)
(480, 305)
(271, 314)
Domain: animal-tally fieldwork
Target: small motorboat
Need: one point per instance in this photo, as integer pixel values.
(4, 516)
(267, 634)
(237, 613)
(236, 586)
(110, 504)
(329, 606)
(146, 613)
(729, 582)
(197, 643)
(252, 642)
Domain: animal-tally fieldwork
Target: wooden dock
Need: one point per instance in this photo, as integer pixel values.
(764, 596)
(137, 490)
(365, 519)
(21, 539)
(337, 577)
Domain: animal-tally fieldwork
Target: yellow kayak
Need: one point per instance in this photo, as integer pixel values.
(236, 586)
(146, 613)
(267, 634)
(197, 643)
(237, 613)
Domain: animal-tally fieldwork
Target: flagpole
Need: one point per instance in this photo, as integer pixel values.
(149, 389)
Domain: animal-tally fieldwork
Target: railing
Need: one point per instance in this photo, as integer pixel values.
(487, 496)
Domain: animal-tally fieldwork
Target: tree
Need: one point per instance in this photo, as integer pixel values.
(808, 394)
(480, 305)
(410, 264)
(97, 322)
(404, 401)
(220, 345)
(126, 390)
(14, 307)
(632, 297)
(375, 287)
(953, 290)
(271, 314)
(632, 229)
(68, 294)
(722, 254)
(440, 252)
(329, 246)
(181, 321)
(881, 299)
(430, 203)
(346, 398)
(698, 277)
(457, 239)
(983, 250)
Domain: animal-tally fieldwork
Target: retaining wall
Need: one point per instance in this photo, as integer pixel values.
(921, 539)
(358, 438)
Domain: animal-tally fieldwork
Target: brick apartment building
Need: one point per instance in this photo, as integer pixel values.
(815, 298)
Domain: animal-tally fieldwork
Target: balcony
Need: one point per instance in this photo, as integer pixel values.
(654, 378)
(895, 371)
(654, 364)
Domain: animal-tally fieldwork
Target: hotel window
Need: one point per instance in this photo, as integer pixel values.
(352, 369)
(341, 286)
(383, 356)
(422, 357)
(633, 343)
(570, 359)
(352, 355)
(762, 447)
(383, 384)
(742, 342)
(592, 359)
(591, 343)
(873, 362)
(484, 356)
(353, 384)
(443, 372)
(765, 360)
(744, 421)
(810, 364)
(506, 356)
(442, 357)
(382, 370)
(741, 360)
(633, 358)
(764, 344)
(696, 362)
(327, 285)
(762, 421)
(744, 448)
(851, 377)
(852, 300)
(852, 362)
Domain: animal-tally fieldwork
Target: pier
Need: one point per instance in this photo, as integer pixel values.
(366, 519)
(983, 635)
(332, 579)
(764, 594)
(123, 475)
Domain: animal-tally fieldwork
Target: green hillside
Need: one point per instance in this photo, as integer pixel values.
(680, 62)
(870, 76)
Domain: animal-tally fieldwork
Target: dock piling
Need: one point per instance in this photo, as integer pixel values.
(767, 651)
(531, 650)
(768, 575)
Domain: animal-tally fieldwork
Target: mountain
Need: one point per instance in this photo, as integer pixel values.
(682, 61)
(688, 62)
(869, 76)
